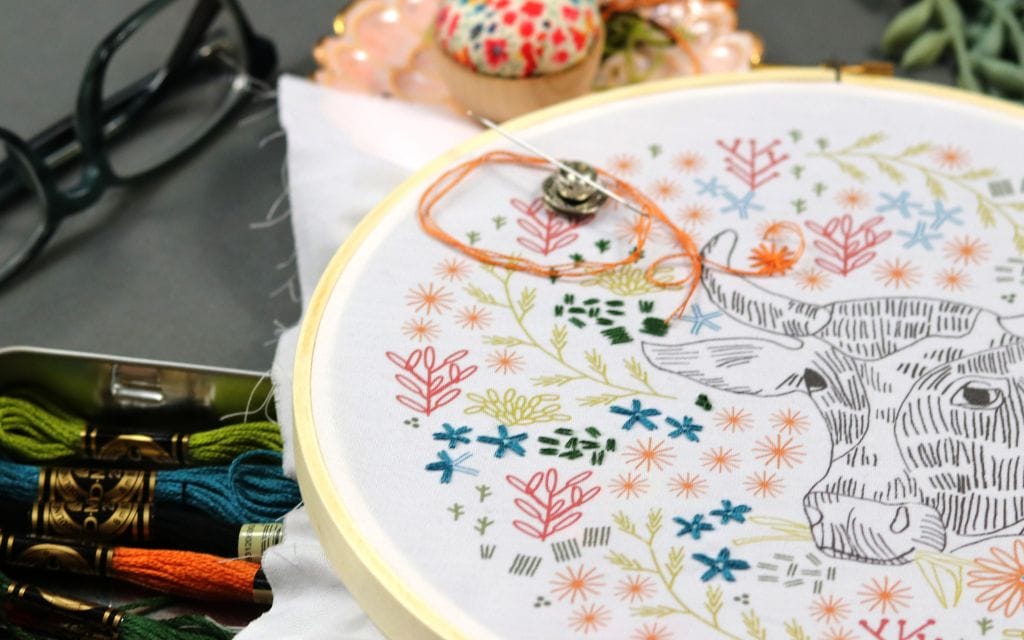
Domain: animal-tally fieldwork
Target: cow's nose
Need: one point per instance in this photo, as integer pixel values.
(870, 531)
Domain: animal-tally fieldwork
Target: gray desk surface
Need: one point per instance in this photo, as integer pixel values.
(187, 267)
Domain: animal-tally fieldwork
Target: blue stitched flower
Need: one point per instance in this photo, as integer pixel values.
(728, 513)
(637, 415)
(685, 428)
(505, 442)
(452, 435)
(722, 565)
(693, 527)
(447, 466)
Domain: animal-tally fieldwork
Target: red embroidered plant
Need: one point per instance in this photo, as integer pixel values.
(904, 632)
(550, 231)
(433, 382)
(752, 164)
(548, 505)
(849, 248)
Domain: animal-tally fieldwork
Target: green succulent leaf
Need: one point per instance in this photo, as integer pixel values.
(926, 48)
(999, 73)
(991, 40)
(907, 24)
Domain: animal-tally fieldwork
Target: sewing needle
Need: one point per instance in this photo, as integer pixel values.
(493, 126)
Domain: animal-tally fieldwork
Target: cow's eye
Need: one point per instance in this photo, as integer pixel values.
(978, 395)
(814, 381)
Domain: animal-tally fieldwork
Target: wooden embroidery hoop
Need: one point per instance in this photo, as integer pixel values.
(398, 611)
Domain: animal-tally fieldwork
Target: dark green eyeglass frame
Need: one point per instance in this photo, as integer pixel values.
(32, 165)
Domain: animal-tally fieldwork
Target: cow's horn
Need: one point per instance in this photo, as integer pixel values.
(1013, 324)
(747, 302)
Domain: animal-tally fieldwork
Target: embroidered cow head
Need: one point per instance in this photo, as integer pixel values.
(923, 400)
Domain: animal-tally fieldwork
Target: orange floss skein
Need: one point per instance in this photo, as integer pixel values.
(770, 258)
(187, 574)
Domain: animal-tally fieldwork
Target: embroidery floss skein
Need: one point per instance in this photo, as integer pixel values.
(33, 433)
(29, 610)
(178, 573)
(145, 525)
(253, 488)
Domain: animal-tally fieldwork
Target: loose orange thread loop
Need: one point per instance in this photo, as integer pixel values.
(770, 258)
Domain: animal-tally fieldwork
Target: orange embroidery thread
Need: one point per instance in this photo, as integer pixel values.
(777, 260)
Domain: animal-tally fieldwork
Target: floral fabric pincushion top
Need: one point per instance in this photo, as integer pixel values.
(517, 38)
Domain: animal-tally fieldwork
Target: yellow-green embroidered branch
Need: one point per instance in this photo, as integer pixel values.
(941, 570)
(785, 531)
(596, 370)
(667, 574)
(890, 165)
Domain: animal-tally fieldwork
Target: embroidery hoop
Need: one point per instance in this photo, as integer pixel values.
(394, 607)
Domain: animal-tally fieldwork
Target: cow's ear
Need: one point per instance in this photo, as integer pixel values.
(752, 366)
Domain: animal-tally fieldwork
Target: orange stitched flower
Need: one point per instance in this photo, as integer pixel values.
(839, 633)
(649, 454)
(629, 230)
(505, 361)
(635, 588)
(587, 619)
(770, 259)
(694, 215)
(623, 164)
(1001, 579)
(897, 273)
(721, 460)
(778, 452)
(688, 486)
(688, 162)
(420, 329)
(950, 157)
(789, 421)
(428, 299)
(952, 279)
(812, 279)
(665, 190)
(733, 419)
(474, 318)
(885, 596)
(629, 485)
(452, 269)
(829, 610)
(967, 250)
(651, 631)
(581, 583)
(852, 198)
(763, 485)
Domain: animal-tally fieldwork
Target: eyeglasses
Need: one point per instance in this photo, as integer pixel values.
(153, 90)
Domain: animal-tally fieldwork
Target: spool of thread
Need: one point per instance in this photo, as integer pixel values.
(29, 610)
(34, 433)
(145, 525)
(184, 574)
(252, 488)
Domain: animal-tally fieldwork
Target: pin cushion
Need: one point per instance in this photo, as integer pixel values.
(501, 58)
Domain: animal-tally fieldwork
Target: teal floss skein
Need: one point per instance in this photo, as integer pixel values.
(253, 488)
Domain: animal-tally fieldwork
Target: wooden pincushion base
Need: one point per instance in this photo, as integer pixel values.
(503, 98)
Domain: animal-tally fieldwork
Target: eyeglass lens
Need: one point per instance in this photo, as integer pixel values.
(182, 104)
(22, 215)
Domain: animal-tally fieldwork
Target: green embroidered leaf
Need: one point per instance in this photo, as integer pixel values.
(916, 150)
(795, 631)
(890, 171)
(526, 300)
(938, 192)
(753, 625)
(852, 170)
(653, 612)
(713, 602)
(503, 341)
(986, 214)
(674, 566)
(480, 295)
(1017, 206)
(559, 337)
(869, 140)
(653, 522)
(926, 48)
(978, 174)
(907, 24)
(596, 363)
(624, 562)
(636, 370)
(598, 400)
(1018, 241)
(512, 409)
(557, 380)
(624, 524)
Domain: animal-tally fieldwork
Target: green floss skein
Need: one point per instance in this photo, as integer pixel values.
(32, 433)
